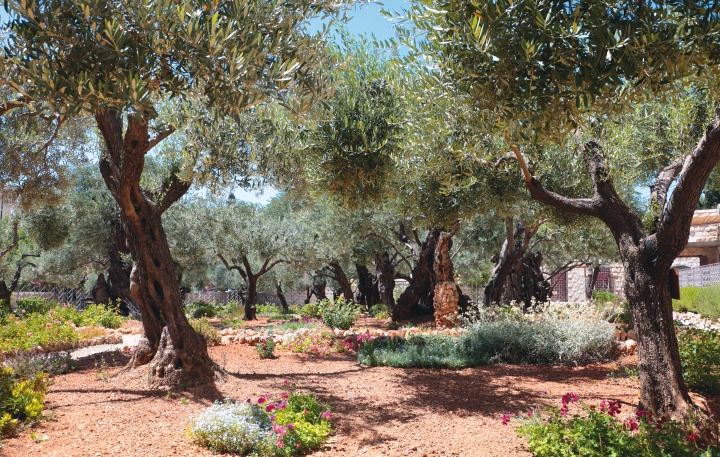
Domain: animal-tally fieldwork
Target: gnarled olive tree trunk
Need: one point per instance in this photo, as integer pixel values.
(177, 354)
(648, 245)
(341, 278)
(417, 298)
(526, 282)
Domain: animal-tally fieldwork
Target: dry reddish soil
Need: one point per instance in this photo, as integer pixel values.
(97, 410)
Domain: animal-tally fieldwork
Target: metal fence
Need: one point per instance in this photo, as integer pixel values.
(77, 298)
(225, 296)
(700, 276)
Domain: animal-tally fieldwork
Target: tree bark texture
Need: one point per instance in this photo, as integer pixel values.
(367, 294)
(526, 282)
(509, 265)
(417, 298)
(177, 354)
(318, 289)
(281, 296)
(385, 279)
(342, 280)
(446, 293)
(592, 280)
(647, 252)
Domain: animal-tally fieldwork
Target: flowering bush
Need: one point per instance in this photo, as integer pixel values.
(239, 428)
(292, 425)
(21, 399)
(340, 313)
(316, 343)
(34, 305)
(311, 310)
(598, 431)
(265, 348)
(35, 330)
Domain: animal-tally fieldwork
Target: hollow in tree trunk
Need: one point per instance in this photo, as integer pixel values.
(177, 354)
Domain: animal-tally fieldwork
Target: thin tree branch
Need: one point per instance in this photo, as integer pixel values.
(375, 235)
(658, 191)
(229, 267)
(171, 191)
(159, 138)
(462, 243)
(14, 243)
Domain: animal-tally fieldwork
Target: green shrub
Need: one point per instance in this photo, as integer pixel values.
(380, 311)
(206, 329)
(265, 349)
(28, 365)
(200, 309)
(21, 400)
(700, 358)
(294, 425)
(310, 423)
(294, 324)
(688, 299)
(597, 432)
(5, 310)
(30, 305)
(339, 314)
(107, 316)
(509, 339)
(603, 297)
(311, 310)
(270, 309)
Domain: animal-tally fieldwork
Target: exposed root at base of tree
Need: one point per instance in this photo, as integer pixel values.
(187, 366)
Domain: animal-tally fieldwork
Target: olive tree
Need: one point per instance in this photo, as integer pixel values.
(119, 63)
(557, 79)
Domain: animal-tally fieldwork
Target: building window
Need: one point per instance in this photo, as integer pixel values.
(604, 280)
(559, 286)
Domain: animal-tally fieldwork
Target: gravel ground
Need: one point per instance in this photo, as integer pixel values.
(128, 340)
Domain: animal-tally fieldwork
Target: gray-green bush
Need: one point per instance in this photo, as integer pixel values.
(505, 340)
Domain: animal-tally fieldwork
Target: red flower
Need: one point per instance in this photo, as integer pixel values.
(693, 437)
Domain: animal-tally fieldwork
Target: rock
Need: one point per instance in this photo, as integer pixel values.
(630, 335)
(629, 347)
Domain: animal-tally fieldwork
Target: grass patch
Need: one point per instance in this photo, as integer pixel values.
(701, 300)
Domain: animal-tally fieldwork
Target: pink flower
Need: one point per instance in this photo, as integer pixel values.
(284, 396)
(506, 418)
(326, 415)
(272, 417)
(280, 442)
(563, 411)
(285, 382)
(248, 401)
(48, 325)
(632, 425)
(305, 411)
(291, 427)
(261, 400)
(269, 408)
(568, 397)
